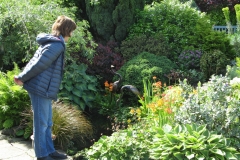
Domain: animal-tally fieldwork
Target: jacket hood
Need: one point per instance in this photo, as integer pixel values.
(43, 38)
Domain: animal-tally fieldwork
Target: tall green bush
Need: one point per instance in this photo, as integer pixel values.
(175, 20)
(18, 30)
(110, 20)
(155, 44)
(184, 27)
(214, 62)
(206, 39)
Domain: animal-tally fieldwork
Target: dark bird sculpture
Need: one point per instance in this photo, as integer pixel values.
(119, 90)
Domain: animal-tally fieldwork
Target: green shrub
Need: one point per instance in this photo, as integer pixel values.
(155, 44)
(126, 144)
(215, 105)
(144, 141)
(213, 62)
(144, 66)
(174, 20)
(194, 142)
(234, 71)
(206, 39)
(77, 87)
(13, 99)
(110, 19)
(19, 30)
(184, 28)
(235, 42)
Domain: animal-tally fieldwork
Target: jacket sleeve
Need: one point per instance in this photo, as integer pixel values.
(41, 61)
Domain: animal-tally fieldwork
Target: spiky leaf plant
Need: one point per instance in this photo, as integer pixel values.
(70, 125)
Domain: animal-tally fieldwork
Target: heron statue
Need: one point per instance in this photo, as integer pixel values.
(118, 89)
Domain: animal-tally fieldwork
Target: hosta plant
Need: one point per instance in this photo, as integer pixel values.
(77, 87)
(194, 142)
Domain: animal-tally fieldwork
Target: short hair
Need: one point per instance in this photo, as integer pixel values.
(63, 26)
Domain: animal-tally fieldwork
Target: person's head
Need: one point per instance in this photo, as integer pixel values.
(63, 26)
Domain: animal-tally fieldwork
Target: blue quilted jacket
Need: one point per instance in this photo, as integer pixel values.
(43, 73)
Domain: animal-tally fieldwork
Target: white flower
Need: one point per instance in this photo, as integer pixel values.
(235, 82)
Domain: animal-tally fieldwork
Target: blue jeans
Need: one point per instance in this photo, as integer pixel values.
(42, 124)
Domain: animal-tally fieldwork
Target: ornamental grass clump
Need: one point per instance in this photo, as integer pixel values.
(70, 126)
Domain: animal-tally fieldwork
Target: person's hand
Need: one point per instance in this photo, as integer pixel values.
(17, 81)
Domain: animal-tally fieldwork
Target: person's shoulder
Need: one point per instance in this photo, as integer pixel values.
(44, 38)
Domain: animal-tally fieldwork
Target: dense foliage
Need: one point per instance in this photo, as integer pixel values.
(214, 62)
(110, 20)
(78, 87)
(174, 20)
(172, 42)
(184, 28)
(215, 104)
(208, 113)
(19, 30)
(155, 44)
(13, 100)
(144, 66)
(100, 65)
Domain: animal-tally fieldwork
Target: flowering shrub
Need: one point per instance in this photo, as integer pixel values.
(215, 104)
(160, 102)
(190, 59)
(235, 83)
(153, 137)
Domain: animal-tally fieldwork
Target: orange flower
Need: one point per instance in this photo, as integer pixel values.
(163, 94)
(152, 107)
(111, 87)
(168, 110)
(154, 77)
(159, 84)
(106, 84)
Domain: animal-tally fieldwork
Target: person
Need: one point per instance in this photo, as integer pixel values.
(41, 77)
